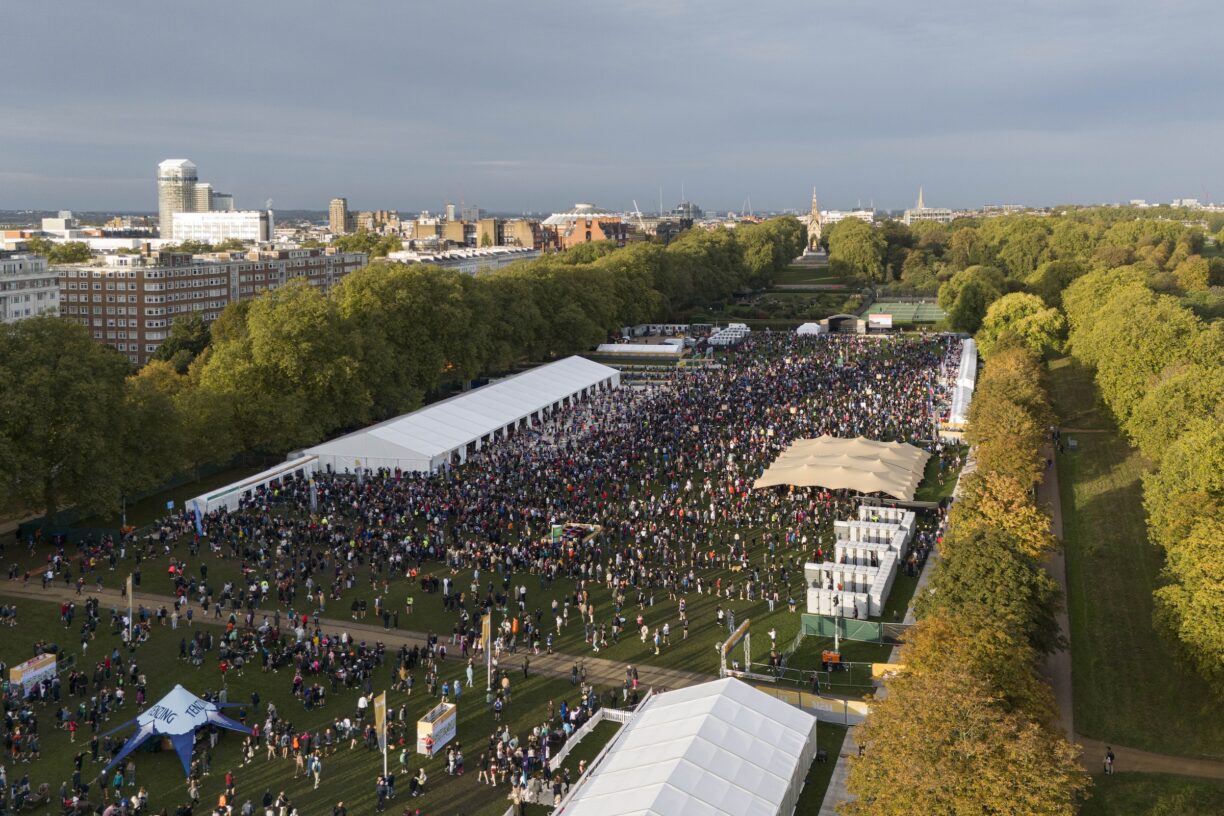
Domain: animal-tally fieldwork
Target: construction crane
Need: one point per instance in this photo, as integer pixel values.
(637, 213)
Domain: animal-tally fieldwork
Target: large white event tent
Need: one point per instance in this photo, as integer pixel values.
(966, 381)
(445, 432)
(716, 748)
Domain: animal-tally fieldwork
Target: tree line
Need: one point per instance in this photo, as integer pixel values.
(296, 365)
(1032, 254)
(970, 725)
(1160, 370)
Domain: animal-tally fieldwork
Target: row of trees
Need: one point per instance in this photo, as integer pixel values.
(969, 725)
(974, 262)
(1160, 370)
(296, 364)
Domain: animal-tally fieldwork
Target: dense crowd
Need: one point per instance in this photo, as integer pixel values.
(664, 474)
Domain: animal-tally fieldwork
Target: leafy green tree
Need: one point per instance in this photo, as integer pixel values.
(190, 247)
(995, 501)
(968, 294)
(59, 253)
(964, 249)
(187, 339)
(152, 430)
(859, 248)
(287, 369)
(1181, 395)
(61, 417)
(1189, 605)
(1038, 327)
(1052, 277)
(1193, 273)
(411, 325)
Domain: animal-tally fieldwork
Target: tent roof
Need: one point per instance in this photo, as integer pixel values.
(716, 748)
(893, 468)
(450, 424)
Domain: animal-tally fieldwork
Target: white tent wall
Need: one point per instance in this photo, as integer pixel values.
(230, 495)
(446, 432)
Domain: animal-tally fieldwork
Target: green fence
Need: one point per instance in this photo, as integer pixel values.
(851, 629)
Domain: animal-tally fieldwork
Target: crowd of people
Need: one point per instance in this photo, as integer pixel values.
(663, 473)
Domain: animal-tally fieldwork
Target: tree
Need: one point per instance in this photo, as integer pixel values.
(485, 239)
(991, 500)
(1191, 605)
(187, 339)
(943, 741)
(1051, 278)
(1006, 437)
(410, 323)
(986, 580)
(1193, 273)
(152, 430)
(859, 248)
(1189, 484)
(1025, 316)
(59, 253)
(62, 415)
(1181, 395)
(287, 369)
(939, 642)
(964, 249)
(968, 294)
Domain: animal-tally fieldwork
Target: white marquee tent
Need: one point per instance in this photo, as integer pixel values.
(446, 432)
(716, 748)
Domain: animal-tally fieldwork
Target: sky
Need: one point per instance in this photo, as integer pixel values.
(534, 105)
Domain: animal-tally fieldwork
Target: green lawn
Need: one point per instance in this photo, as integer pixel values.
(590, 745)
(796, 273)
(347, 774)
(829, 738)
(1129, 687)
(1135, 794)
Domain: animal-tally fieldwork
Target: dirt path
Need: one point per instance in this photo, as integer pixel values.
(1057, 668)
(600, 672)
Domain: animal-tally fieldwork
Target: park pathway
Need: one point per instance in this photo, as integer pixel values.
(600, 672)
(1057, 668)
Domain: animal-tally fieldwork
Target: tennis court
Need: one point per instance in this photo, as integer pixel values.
(909, 312)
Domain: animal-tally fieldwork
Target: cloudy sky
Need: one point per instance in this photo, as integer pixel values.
(532, 105)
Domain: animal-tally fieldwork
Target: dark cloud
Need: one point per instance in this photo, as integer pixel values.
(534, 105)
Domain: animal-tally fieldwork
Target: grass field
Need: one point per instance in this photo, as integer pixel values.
(1129, 687)
(1134, 794)
(808, 274)
(346, 774)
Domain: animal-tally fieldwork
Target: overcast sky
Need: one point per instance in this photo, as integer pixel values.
(533, 105)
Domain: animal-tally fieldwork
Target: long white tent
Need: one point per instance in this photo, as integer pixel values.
(716, 748)
(445, 432)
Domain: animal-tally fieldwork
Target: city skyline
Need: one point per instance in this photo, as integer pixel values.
(533, 108)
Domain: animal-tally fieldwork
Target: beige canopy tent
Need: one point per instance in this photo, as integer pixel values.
(892, 468)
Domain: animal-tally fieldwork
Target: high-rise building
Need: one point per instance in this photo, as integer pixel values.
(176, 191)
(452, 213)
(337, 216)
(27, 288)
(203, 197)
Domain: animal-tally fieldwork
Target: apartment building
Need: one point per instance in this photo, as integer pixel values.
(27, 287)
(129, 301)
